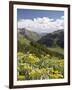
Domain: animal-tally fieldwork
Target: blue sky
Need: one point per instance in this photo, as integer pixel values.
(40, 20)
(30, 14)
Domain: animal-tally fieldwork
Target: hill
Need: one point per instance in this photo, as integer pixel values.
(30, 35)
(54, 39)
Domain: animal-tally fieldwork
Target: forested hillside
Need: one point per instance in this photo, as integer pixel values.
(55, 39)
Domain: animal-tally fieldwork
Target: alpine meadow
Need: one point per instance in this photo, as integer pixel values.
(40, 44)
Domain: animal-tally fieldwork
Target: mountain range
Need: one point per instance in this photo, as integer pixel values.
(53, 39)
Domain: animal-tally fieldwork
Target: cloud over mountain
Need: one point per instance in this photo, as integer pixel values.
(43, 24)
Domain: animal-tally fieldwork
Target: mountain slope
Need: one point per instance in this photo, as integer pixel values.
(53, 39)
(32, 36)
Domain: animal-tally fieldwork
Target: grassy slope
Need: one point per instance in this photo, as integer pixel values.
(57, 49)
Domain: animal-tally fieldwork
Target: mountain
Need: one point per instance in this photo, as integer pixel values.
(30, 35)
(53, 39)
(38, 48)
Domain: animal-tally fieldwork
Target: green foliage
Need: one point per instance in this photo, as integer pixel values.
(23, 44)
(35, 61)
(21, 77)
(33, 67)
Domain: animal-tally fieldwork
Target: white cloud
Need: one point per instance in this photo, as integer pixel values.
(62, 17)
(43, 24)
